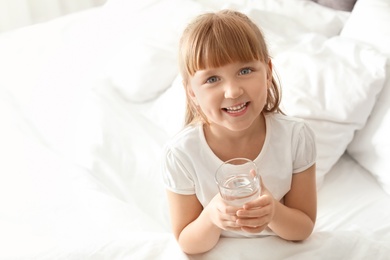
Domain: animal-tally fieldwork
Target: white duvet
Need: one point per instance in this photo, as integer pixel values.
(87, 102)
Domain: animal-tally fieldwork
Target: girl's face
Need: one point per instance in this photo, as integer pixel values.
(231, 96)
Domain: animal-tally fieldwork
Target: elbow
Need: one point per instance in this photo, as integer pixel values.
(192, 244)
(193, 249)
(302, 234)
(301, 238)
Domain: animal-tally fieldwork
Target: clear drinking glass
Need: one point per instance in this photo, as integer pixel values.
(238, 181)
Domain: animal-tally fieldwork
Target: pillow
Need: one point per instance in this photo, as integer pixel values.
(146, 63)
(371, 145)
(333, 84)
(140, 72)
(369, 23)
(126, 156)
(321, 20)
(168, 111)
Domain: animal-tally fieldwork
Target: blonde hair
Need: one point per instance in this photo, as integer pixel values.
(216, 39)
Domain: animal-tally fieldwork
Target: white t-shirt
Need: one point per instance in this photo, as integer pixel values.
(189, 164)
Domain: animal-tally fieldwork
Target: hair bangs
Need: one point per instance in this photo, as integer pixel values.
(224, 40)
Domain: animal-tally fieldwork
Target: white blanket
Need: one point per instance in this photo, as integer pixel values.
(88, 100)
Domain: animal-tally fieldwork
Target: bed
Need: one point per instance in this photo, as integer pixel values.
(88, 100)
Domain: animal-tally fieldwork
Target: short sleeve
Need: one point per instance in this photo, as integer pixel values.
(305, 152)
(176, 176)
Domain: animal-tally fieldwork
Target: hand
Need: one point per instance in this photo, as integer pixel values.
(222, 214)
(255, 216)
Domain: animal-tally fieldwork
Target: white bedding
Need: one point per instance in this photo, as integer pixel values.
(88, 100)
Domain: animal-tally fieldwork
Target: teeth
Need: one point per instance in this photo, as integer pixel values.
(236, 109)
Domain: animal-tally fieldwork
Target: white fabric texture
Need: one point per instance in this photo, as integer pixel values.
(323, 21)
(18, 13)
(369, 23)
(322, 81)
(139, 86)
(371, 145)
(189, 164)
(168, 110)
(152, 49)
(80, 163)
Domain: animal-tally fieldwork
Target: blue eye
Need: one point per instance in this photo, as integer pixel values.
(212, 79)
(245, 71)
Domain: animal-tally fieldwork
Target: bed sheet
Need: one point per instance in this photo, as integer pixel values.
(350, 210)
(352, 217)
(80, 162)
(54, 208)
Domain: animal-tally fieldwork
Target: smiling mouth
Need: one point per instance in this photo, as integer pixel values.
(236, 109)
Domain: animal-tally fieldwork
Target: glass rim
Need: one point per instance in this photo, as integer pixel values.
(220, 185)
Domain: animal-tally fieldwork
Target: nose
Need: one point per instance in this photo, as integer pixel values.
(233, 89)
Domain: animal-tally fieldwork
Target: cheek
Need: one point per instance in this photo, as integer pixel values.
(209, 102)
(260, 93)
(204, 101)
(260, 86)
(197, 98)
(192, 95)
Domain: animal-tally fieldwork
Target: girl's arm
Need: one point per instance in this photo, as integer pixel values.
(292, 220)
(296, 218)
(197, 230)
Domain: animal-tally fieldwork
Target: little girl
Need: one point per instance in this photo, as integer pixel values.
(233, 111)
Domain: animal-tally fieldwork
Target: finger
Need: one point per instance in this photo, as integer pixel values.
(262, 201)
(253, 229)
(231, 211)
(253, 222)
(253, 173)
(253, 213)
(231, 225)
(262, 186)
(234, 229)
(228, 218)
(227, 209)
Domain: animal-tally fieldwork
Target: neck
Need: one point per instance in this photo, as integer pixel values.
(227, 144)
(218, 133)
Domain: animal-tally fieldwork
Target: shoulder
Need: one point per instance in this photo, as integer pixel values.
(293, 128)
(300, 136)
(283, 118)
(285, 122)
(188, 134)
(187, 140)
